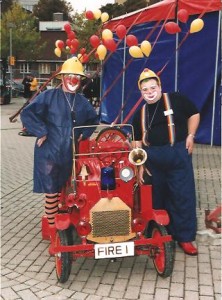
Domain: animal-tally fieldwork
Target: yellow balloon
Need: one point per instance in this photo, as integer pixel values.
(57, 51)
(101, 51)
(135, 52)
(56, 43)
(146, 48)
(104, 17)
(97, 14)
(196, 26)
(107, 34)
(80, 57)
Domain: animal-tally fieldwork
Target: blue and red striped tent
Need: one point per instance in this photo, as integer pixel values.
(189, 63)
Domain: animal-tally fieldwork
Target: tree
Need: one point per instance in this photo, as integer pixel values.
(85, 29)
(131, 5)
(116, 10)
(45, 8)
(25, 38)
(5, 5)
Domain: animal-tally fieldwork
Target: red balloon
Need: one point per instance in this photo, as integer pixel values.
(89, 15)
(94, 41)
(183, 15)
(73, 50)
(82, 50)
(75, 43)
(68, 42)
(71, 35)
(60, 44)
(131, 40)
(96, 55)
(121, 31)
(110, 44)
(67, 27)
(172, 27)
(85, 58)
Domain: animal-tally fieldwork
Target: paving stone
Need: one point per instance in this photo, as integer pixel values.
(29, 271)
(8, 293)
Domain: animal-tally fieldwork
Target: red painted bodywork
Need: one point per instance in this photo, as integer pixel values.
(83, 192)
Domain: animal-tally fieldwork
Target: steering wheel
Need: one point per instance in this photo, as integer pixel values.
(111, 135)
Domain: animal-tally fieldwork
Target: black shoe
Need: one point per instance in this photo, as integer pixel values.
(25, 133)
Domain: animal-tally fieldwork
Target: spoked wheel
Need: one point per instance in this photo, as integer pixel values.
(73, 237)
(64, 259)
(164, 259)
(111, 134)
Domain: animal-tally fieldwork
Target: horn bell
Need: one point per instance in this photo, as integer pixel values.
(137, 156)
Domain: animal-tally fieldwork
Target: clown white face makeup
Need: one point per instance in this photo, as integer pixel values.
(151, 91)
(71, 82)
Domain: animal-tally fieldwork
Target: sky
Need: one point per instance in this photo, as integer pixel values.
(80, 5)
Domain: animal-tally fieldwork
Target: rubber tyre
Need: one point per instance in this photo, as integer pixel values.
(164, 260)
(73, 237)
(111, 134)
(63, 260)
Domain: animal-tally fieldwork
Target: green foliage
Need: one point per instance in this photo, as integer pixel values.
(116, 10)
(25, 38)
(45, 8)
(5, 5)
(131, 5)
(85, 29)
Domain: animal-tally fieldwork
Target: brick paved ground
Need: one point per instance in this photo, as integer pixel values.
(28, 272)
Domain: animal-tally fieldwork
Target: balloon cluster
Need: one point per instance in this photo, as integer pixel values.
(71, 45)
(96, 15)
(135, 50)
(106, 42)
(195, 26)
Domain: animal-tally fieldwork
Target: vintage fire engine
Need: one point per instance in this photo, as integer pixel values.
(103, 211)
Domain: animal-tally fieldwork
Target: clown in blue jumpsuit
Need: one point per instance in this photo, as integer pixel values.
(51, 117)
(165, 128)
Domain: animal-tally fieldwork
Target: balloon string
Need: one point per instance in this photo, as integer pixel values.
(119, 75)
(129, 62)
(146, 38)
(181, 43)
(168, 61)
(108, 56)
(133, 109)
(205, 10)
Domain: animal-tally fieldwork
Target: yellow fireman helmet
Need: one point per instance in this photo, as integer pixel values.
(147, 74)
(72, 66)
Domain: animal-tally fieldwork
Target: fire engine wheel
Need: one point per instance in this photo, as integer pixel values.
(64, 259)
(111, 134)
(164, 260)
(73, 237)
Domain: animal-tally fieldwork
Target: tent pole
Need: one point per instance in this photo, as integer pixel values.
(176, 54)
(215, 78)
(123, 80)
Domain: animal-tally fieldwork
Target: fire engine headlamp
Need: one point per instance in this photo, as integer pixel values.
(83, 228)
(126, 174)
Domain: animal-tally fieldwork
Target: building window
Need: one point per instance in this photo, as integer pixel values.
(44, 69)
(24, 68)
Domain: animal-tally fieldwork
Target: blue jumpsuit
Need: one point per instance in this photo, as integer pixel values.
(171, 166)
(50, 114)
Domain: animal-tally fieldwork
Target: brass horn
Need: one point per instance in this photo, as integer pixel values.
(137, 156)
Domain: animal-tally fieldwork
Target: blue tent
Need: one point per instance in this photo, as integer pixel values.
(187, 62)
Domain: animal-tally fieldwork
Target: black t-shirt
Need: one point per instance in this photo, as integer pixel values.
(156, 123)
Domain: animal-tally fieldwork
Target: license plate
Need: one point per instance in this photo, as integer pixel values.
(114, 250)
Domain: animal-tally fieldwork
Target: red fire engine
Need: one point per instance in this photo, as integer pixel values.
(104, 212)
